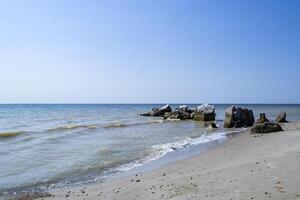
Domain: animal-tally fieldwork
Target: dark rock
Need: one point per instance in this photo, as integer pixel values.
(238, 117)
(183, 114)
(262, 118)
(204, 112)
(266, 127)
(167, 115)
(158, 112)
(281, 117)
(183, 107)
(178, 114)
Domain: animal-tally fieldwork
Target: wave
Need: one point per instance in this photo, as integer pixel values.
(10, 134)
(95, 126)
(120, 125)
(159, 151)
(72, 127)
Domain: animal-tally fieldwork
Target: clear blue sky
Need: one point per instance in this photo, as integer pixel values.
(147, 51)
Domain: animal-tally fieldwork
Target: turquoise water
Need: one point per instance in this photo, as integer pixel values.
(64, 144)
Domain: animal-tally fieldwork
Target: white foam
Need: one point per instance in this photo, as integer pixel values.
(159, 151)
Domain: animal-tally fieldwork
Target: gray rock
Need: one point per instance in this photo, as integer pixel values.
(158, 112)
(205, 108)
(236, 117)
(167, 115)
(183, 107)
(266, 127)
(204, 112)
(166, 108)
(178, 114)
(281, 117)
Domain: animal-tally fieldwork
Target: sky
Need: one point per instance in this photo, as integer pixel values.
(150, 51)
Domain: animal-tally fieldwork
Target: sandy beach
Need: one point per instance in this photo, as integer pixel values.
(244, 167)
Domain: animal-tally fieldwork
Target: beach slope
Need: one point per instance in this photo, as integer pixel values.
(244, 167)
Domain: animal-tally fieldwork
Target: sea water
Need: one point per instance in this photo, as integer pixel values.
(42, 145)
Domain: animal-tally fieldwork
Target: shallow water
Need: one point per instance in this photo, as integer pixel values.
(64, 144)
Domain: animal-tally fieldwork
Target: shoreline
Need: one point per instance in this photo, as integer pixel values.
(183, 150)
(243, 167)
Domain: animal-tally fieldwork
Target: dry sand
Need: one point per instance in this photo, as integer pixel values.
(244, 167)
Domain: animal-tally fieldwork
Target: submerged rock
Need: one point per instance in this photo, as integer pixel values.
(208, 125)
(158, 112)
(281, 118)
(266, 127)
(236, 117)
(204, 112)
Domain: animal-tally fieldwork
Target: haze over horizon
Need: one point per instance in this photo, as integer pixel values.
(149, 51)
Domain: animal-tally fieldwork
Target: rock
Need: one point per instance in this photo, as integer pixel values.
(204, 112)
(208, 125)
(158, 112)
(281, 117)
(266, 127)
(262, 118)
(184, 114)
(167, 115)
(166, 108)
(238, 117)
(178, 114)
(183, 107)
(205, 108)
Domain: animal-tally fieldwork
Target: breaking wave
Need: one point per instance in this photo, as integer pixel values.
(10, 134)
(159, 151)
(95, 126)
(72, 127)
(120, 125)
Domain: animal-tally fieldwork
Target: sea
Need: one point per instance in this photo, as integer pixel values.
(53, 145)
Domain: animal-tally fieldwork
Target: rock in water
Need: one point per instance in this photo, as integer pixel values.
(183, 107)
(204, 112)
(166, 108)
(266, 127)
(281, 117)
(158, 112)
(178, 114)
(236, 117)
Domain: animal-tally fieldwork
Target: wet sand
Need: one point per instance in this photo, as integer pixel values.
(244, 167)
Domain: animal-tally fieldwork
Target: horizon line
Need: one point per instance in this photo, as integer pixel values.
(146, 103)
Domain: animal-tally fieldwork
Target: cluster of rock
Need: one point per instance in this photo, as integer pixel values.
(263, 125)
(203, 112)
(158, 112)
(235, 117)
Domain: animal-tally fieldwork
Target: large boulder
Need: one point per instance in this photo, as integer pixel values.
(281, 118)
(236, 117)
(158, 112)
(266, 127)
(204, 112)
